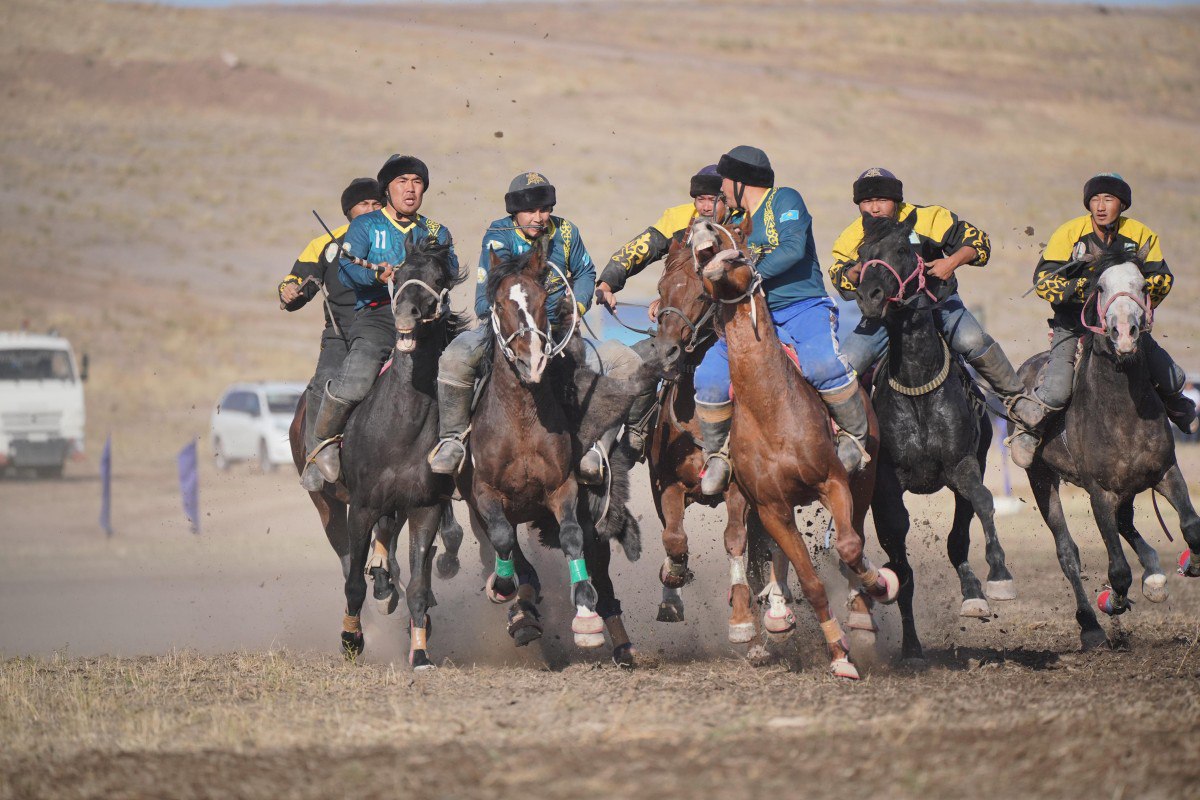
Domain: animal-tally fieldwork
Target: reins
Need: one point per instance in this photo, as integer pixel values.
(918, 274)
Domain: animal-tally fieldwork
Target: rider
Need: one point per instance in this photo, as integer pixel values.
(945, 243)
(319, 261)
(652, 244)
(1064, 280)
(529, 202)
(782, 243)
(379, 238)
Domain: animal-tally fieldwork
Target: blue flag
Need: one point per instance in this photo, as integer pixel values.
(106, 487)
(189, 484)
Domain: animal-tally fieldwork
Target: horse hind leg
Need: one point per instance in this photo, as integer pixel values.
(741, 619)
(360, 521)
(958, 545)
(1045, 492)
(1174, 488)
(451, 534)
(382, 568)
(967, 481)
(422, 527)
(1154, 581)
(599, 558)
(1115, 600)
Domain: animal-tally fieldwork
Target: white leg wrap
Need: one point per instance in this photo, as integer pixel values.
(737, 570)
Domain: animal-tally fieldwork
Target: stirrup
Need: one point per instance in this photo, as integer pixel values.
(720, 455)
(590, 478)
(1010, 401)
(437, 450)
(866, 457)
(321, 445)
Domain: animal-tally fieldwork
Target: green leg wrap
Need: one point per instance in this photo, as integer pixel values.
(504, 568)
(578, 568)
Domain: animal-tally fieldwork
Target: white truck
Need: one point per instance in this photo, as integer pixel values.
(41, 403)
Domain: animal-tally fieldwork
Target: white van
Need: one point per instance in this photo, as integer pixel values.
(41, 403)
(250, 423)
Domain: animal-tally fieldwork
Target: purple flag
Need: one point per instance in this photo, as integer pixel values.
(106, 487)
(189, 484)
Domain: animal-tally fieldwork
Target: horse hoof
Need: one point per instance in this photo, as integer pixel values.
(589, 641)
(670, 612)
(674, 575)
(887, 587)
(914, 663)
(524, 625)
(842, 668)
(588, 628)
(779, 623)
(1093, 638)
(623, 656)
(1189, 567)
(862, 640)
(1001, 590)
(490, 590)
(387, 605)
(741, 632)
(447, 566)
(975, 608)
(353, 644)
(420, 662)
(858, 621)
(1154, 588)
(1108, 603)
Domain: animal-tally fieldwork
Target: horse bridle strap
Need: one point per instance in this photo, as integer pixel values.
(1102, 311)
(443, 298)
(938, 380)
(918, 274)
(549, 348)
(697, 330)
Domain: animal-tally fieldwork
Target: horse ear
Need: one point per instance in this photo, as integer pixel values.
(493, 259)
(746, 226)
(909, 222)
(1094, 251)
(1143, 252)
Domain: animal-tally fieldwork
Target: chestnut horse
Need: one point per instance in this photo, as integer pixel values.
(781, 444)
(676, 459)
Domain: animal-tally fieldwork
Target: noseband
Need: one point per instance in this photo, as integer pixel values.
(697, 330)
(548, 347)
(1143, 302)
(918, 274)
(443, 298)
(755, 281)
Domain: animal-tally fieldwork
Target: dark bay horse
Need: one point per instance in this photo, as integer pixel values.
(781, 443)
(675, 458)
(1113, 441)
(524, 444)
(385, 478)
(934, 430)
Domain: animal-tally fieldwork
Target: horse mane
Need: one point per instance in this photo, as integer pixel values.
(879, 229)
(430, 251)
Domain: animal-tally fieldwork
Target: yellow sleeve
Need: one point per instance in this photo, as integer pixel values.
(311, 254)
(1063, 241)
(675, 219)
(845, 253)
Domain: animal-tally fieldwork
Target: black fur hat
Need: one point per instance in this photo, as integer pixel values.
(878, 182)
(402, 165)
(359, 189)
(706, 181)
(528, 191)
(747, 165)
(1107, 183)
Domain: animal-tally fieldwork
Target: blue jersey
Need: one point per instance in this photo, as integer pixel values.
(378, 238)
(567, 252)
(782, 241)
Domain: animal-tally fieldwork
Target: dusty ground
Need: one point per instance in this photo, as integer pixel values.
(152, 198)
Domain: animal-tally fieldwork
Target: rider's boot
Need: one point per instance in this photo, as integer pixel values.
(331, 421)
(849, 411)
(715, 421)
(311, 478)
(637, 423)
(995, 368)
(454, 418)
(1181, 410)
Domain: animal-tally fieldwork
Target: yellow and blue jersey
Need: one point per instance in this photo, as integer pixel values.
(567, 252)
(1070, 286)
(379, 239)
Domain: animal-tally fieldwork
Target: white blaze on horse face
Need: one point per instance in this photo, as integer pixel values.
(1123, 314)
(537, 358)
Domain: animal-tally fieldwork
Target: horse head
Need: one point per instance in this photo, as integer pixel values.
(422, 294)
(685, 311)
(516, 291)
(1122, 303)
(721, 259)
(892, 273)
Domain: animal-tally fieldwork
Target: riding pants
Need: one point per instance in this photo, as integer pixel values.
(333, 353)
(372, 337)
(459, 362)
(867, 343)
(810, 326)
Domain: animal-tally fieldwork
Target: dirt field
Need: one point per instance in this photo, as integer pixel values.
(154, 195)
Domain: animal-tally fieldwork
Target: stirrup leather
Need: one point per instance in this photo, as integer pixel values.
(858, 442)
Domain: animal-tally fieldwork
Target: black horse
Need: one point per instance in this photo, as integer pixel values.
(1113, 441)
(934, 428)
(539, 406)
(386, 439)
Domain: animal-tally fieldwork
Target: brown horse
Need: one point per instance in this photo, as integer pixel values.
(523, 448)
(778, 472)
(676, 458)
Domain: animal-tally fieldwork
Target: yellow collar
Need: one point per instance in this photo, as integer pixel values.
(399, 227)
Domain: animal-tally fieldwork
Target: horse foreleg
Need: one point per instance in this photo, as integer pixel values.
(880, 583)
(673, 505)
(967, 480)
(451, 534)
(781, 525)
(1044, 484)
(1154, 582)
(599, 558)
(587, 626)
(958, 547)
(333, 520)
(381, 565)
(741, 618)
(422, 527)
(1120, 577)
(359, 522)
(1174, 488)
(891, 526)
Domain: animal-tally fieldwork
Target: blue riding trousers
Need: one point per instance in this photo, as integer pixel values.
(864, 345)
(810, 326)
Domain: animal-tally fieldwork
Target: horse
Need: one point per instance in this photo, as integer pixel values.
(675, 459)
(935, 431)
(385, 477)
(781, 443)
(1113, 440)
(524, 441)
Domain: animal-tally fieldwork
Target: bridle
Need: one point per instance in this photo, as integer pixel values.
(698, 331)
(918, 275)
(1143, 302)
(548, 347)
(443, 297)
(756, 280)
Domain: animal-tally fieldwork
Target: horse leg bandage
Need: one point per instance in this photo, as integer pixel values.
(737, 570)
(351, 624)
(419, 639)
(504, 568)
(833, 633)
(578, 570)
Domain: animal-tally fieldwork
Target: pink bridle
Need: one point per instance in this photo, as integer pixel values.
(1102, 312)
(918, 274)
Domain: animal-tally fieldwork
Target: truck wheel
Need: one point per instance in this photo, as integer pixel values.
(49, 472)
(219, 459)
(264, 458)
